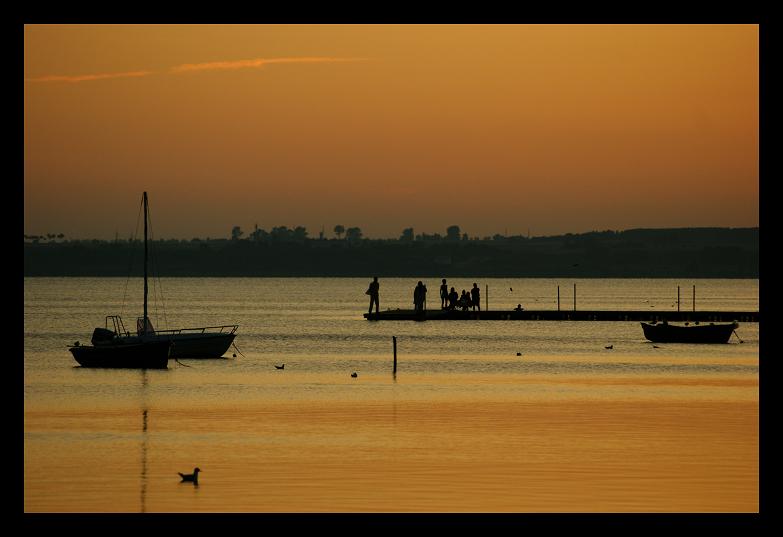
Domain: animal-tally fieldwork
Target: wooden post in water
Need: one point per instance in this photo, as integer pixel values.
(678, 298)
(694, 298)
(558, 298)
(394, 343)
(486, 295)
(574, 297)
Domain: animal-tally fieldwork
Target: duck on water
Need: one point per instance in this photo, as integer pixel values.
(191, 478)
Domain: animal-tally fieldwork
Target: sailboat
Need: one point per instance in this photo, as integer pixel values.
(115, 346)
(114, 349)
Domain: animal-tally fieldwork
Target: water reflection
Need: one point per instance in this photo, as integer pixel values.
(465, 423)
(144, 418)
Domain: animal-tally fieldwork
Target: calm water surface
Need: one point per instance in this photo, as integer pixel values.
(466, 424)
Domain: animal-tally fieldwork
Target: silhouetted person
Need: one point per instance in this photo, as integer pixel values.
(453, 299)
(464, 300)
(475, 297)
(444, 295)
(419, 296)
(373, 292)
(519, 307)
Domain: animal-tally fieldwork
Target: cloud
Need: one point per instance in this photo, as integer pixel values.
(85, 78)
(194, 67)
(253, 64)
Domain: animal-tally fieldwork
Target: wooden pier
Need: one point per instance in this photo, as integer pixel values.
(575, 315)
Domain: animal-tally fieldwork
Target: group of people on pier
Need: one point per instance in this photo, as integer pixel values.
(449, 299)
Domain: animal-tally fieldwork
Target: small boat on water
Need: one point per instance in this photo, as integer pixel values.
(114, 346)
(689, 333)
(199, 342)
(202, 342)
(124, 354)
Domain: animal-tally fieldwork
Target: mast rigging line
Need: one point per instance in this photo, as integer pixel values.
(157, 288)
(134, 236)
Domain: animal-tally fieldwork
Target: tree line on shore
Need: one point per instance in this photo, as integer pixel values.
(296, 234)
(683, 252)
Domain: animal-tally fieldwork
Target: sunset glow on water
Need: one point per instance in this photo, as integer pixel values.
(465, 426)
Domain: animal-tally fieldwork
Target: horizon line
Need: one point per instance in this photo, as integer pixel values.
(429, 236)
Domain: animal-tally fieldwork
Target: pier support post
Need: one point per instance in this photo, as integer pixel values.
(394, 343)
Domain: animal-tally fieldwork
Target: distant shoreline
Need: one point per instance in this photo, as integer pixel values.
(420, 276)
(666, 253)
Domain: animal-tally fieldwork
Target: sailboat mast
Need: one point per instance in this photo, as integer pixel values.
(145, 265)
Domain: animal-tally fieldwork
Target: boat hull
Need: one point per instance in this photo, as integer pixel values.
(701, 333)
(199, 345)
(147, 355)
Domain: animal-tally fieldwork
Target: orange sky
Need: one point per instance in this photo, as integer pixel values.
(498, 128)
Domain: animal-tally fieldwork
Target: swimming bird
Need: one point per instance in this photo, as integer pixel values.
(354, 374)
(519, 354)
(280, 366)
(190, 477)
(609, 347)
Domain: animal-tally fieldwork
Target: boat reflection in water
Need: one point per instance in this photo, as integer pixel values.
(144, 442)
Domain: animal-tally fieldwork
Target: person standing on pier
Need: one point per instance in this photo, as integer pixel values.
(444, 295)
(453, 299)
(419, 296)
(475, 297)
(373, 291)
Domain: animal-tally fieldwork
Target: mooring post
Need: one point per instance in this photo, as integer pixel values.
(558, 298)
(394, 343)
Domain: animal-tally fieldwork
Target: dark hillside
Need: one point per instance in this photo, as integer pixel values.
(691, 253)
